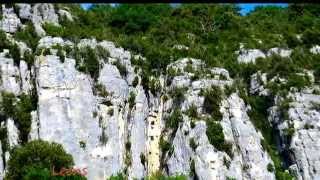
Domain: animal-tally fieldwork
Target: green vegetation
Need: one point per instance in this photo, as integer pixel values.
(193, 144)
(177, 94)
(160, 176)
(192, 111)
(15, 54)
(38, 158)
(131, 99)
(19, 110)
(122, 69)
(135, 81)
(53, 30)
(100, 90)
(28, 35)
(174, 119)
(216, 137)
(212, 100)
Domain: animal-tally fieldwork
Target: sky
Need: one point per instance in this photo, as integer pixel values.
(245, 7)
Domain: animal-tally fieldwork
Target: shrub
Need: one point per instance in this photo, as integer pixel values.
(23, 117)
(61, 55)
(82, 144)
(15, 54)
(53, 30)
(165, 146)
(28, 35)
(174, 119)
(226, 162)
(216, 137)
(102, 52)
(29, 58)
(143, 159)
(37, 154)
(192, 111)
(177, 94)
(212, 100)
(101, 90)
(132, 98)
(87, 61)
(270, 167)
(159, 176)
(135, 81)
(4, 43)
(122, 69)
(193, 144)
(110, 112)
(154, 85)
(119, 176)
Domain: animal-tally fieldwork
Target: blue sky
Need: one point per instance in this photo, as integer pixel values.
(245, 7)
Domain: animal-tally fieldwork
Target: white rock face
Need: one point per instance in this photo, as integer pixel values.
(95, 130)
(250, 55)
(66, 106)
(258, 81)
(111, 79)
(279, 51)
(315, 49)
(10, 21)
(304, 115)
(10, 76)
(246, 138)
(13, 133)
(48, 41)
(138, 134)
(65, 13)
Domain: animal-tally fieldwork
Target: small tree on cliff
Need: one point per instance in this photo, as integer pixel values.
(38, 154)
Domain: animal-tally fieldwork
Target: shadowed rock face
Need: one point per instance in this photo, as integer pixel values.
(110, 125)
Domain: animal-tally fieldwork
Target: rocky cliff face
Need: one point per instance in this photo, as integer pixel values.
(113, 123)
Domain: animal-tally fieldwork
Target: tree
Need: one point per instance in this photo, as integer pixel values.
(39, 155)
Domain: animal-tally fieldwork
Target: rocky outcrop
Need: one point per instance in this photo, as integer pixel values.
(10, 21)
(302, 130)
(315, 49)
(250, 55)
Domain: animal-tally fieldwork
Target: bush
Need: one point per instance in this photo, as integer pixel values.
(4, 43)
(192, 111)
(61, 55)
(19, 110)
(102, 52)
(270, 167)
(135, 81)
(159, 176)
(174, 119)
(132, 98)
(165, 146)
(15, 54)
(28, 35)
(119, 176)
(216, 137)
(193, 144)
(212, 100)
(177, 95)
(37, 154)
(101, 90)
(143, 159)
(122, 69)
(23, 117)
(87, 61)
(53, 30)
(29, 58)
